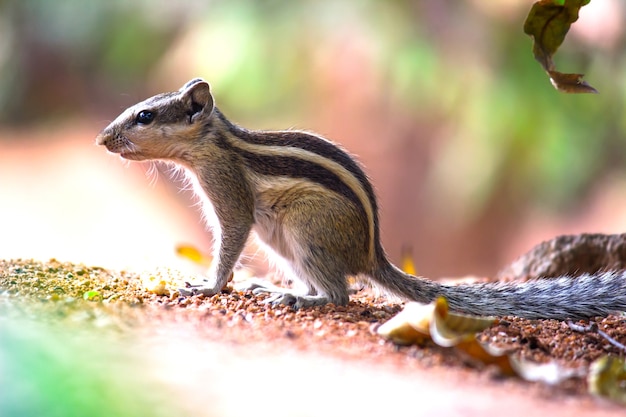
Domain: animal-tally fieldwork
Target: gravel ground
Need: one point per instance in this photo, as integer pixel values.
(54, 293)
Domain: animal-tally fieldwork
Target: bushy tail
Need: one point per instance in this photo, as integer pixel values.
(561, 298)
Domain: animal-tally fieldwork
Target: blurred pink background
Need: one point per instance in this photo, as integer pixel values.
(474, 156)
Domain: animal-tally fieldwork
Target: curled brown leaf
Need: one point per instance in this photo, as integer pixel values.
(548, 23)
(419, 323)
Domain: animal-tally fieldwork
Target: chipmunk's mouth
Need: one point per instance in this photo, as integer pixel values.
(132, 156)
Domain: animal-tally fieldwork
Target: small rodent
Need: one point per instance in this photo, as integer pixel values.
(312, 205)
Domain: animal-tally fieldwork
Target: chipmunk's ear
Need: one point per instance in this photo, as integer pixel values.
(196, 95)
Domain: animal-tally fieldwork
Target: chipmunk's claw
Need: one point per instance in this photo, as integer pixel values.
(197, 289)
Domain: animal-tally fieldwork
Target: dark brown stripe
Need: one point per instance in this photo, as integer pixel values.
(298, 168)
(307, 142)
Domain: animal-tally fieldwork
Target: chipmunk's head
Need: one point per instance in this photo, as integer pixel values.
(161, 127)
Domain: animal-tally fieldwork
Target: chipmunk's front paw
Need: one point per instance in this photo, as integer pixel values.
(296, 301)
(196, 289)
(280, 296)
(257, 286)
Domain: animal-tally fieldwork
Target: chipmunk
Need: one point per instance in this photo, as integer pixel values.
(312, 205)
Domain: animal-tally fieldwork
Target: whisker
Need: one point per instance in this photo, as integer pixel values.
(152, 173)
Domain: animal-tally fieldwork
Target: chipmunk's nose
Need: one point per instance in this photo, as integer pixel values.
(104, 136)
(108, 139)
(101, 138)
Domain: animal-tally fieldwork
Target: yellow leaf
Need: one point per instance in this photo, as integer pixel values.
(487, 355)
(449, 329)
(459, 331)
(191, 253)
(154, 284)
(408, 265)
(410, 326)
(419, 323)
(607, 378)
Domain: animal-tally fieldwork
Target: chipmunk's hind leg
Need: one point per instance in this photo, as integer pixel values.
(325, 284)
(317, 257)
(307, 231)
(318, 292)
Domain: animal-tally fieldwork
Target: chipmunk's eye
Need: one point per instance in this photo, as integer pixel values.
(144, 117)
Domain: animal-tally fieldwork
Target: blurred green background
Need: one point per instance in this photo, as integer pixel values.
(474, 155)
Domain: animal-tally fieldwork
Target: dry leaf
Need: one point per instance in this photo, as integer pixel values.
(548, 373)
(191, 253)
(154, 284)
(410, 326)
(449, 329)
(487, 355)
(408, 265)
(570, 83)
(459, 331)
(547, 23)
(607, 378)
(418, 323)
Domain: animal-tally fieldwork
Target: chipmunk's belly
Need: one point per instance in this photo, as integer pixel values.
(277, 205)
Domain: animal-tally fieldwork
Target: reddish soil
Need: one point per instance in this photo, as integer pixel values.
(249, 356)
